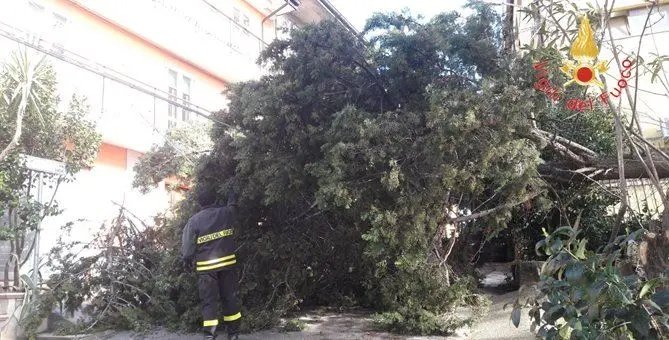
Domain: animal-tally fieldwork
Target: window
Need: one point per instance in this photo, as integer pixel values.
(664, 126)
(185, 95)
(38, 29)
(172, 109)
(179, 89)
(236, 15)
(284, 27)
(57, 33)
(236, 30)
(247, 48)
(46, 28)
(59, 21)
(619, 26)
(38, 8)
(241, 39)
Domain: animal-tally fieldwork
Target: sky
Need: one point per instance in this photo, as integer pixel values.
(357, 11)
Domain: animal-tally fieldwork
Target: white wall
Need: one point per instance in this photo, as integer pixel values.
(190, 29)
(652, 99)
(126, 117)
(90, 200)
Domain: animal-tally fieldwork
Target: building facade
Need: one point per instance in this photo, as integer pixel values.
(144, 66)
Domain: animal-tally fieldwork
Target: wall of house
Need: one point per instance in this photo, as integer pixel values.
(126, 117)
(132, 68)
(652, 96)
(129, 120)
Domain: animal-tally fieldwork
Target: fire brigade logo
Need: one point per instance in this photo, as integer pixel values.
(584, 69)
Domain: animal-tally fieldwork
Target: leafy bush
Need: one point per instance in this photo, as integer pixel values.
(115, 275)
(583, 201)
(29, 96)
(411, 315)
(293, 325)
(405, 321)
(585, 295)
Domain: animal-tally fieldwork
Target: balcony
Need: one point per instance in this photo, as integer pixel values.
(192, 30)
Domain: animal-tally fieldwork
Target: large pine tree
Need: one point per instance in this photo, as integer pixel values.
(352, 159)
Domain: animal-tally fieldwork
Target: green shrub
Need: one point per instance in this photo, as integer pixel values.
(293, 325)
(428, 306)
(405, 321)
(584, 295)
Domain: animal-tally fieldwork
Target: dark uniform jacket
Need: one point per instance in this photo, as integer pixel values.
(209, 236)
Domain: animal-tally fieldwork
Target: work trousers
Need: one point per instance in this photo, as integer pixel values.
(215, 286)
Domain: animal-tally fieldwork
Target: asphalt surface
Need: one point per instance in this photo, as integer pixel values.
(496, 325)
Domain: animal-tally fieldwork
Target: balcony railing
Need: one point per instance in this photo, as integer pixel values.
(181, 25)
(240, 38)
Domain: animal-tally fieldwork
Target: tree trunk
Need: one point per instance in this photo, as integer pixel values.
(509, 32)
(601, 169)
(15, 264)
(17, 134)
(665, 213)
(516, 240)
(5, 279)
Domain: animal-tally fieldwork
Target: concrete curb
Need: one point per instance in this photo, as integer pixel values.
(62, 337)
(97, 336)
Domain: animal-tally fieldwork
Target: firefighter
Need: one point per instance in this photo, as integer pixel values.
(209, 246)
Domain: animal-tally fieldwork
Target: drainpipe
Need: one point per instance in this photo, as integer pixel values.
(292, 3)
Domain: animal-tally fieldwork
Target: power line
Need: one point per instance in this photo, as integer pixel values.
(167, 140)
(85, 64)
(232, 21)
(134, 79)
(10, 36)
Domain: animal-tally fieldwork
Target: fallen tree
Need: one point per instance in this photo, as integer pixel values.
(601, 169)
(579, 163)
(355, 162)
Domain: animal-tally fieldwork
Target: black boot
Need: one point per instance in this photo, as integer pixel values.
(210, 333)
(233, 330)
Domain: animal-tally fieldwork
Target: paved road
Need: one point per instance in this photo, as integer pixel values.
(335, 326)
(496, 325)
(344, 326)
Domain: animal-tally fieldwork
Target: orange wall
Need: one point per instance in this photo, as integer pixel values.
(112, 155)
(269, 28)
(133, 41)
(115, 156)
(252, 9)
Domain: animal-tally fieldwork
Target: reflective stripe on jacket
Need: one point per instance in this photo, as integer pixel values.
(209, 235)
